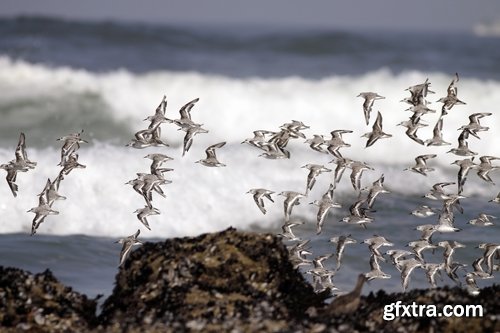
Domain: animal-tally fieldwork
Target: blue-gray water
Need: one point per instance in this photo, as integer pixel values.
(61, 76)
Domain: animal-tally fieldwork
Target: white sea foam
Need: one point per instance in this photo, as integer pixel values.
(200, 199)
(232, 108)
(203, 199)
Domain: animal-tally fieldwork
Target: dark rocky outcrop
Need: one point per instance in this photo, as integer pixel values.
(219, 282)
(40, 303)
(213, 282)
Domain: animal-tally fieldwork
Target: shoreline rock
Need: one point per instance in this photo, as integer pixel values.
(40, 303)
(219, 282)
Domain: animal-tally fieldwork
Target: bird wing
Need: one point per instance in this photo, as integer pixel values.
(185, 111)
(20, 149)
(211, 149)
(160, 110)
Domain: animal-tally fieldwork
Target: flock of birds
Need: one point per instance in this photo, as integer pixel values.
(49, 194)
(147, 183)
(273, 145)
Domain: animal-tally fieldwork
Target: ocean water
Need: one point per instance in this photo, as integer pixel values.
(59, 77)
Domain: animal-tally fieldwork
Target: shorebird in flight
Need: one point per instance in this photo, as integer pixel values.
(258, 196)
(376, 133)
(211, 159)
(369, 99)
(128, 242)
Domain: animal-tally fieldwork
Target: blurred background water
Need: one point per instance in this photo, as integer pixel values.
(60, 76)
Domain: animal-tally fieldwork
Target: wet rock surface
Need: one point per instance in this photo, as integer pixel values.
(40, 303)
(226, 281)
(213, 282)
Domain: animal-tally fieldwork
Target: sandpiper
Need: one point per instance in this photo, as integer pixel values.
(41, 212)
(418, 93)
(159, 116)
(406, 267)
(453, 202)
(423, 211)
(485, 167)
(128, 242)
(20, 164)
(397, 255)
(451, 98)
(474, 125)
(427, 231)
(421, 164)
(325, 204)
(370, 98)
(149, 137)
(437, 192)
(472, 287)
(431, 270)
(411, 130)
(158, 159)
(211, 159)
(446, 222)
(151, 183)
(259, 138)
(452, 269)
(291, 199)
(298, 252)
(342, 164)
(496, 199)
(185, 120)
(356, 173)
(143, 213)
(419, 246)
(316, 143)
(341, 242)
(376, 133)
(437, 138)
(70, 164)
(273, 151)
(358, 214)
(191, 131)
(314, 171)
(483, 220)
(465, 166)
(287, 230)
(449, 249)
(50, 192)
(336, 142)
(258, 196)
(12, 170)
(21, 154)
(317, 262)
(374, 190)
(418, 111)
(375, 271)
(489, 250)
(71, 145)
(478, 269)
(376, 242)
(463, 146)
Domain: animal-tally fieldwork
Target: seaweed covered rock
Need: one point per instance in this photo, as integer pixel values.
(226, 281)
(212, 282)
(370, 315)
(40, 303)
